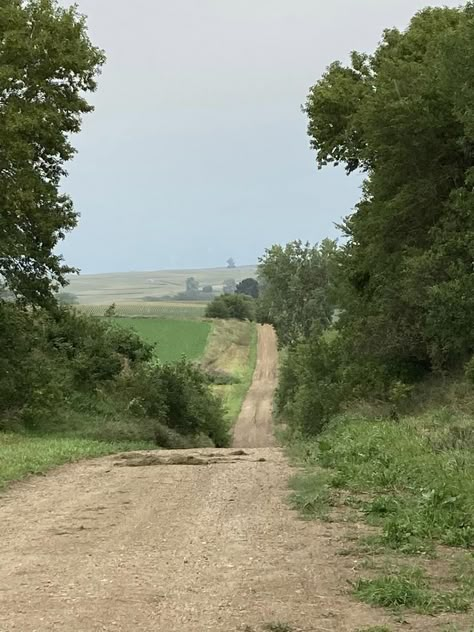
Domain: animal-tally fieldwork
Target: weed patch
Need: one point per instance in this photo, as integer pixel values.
(418, 495)
(312, 494)
(278, 627)
(412, 481)
(231, 355)
(409, 588)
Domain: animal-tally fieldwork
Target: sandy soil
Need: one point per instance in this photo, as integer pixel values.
(182, 541)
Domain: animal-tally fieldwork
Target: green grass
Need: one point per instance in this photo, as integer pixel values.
(409, 588)
(232, 349)
(21, 456)
(234, 394)
(414, 482)
(420, 475)
(312, 494)
(173, 338)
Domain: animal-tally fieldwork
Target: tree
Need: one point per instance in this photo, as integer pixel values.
(231, 263)
(297, 288)
(404, 116)
(192, 285)
(47, 66)
(207, 289)
(230, 286)
(67, 298)
(248, 287)
(231, 306)
(111, 311)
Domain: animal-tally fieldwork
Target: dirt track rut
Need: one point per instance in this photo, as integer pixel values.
(172, 547)
(254, 426)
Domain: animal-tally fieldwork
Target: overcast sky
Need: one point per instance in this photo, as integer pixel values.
(197, 150)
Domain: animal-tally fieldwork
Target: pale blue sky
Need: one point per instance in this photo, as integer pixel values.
(197, 150)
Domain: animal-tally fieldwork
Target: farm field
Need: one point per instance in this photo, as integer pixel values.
(133, 287)
(168, 310)
(173, 338)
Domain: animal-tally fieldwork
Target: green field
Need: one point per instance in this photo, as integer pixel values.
(173, 310)
(173, 338)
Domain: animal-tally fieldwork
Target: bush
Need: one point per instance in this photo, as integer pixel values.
(310, 388)
(232, 306)
(65, 372)
(31, 378)
(177, 396)
(221, 378)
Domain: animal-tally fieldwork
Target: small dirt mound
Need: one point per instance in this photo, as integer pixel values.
(137, 459)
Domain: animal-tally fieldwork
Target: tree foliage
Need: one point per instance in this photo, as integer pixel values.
(404, 116)
(232, 306)
(249, 287)
(56, 365)
(192, 285)
(402, 281)
(297, 282)
(47, 66)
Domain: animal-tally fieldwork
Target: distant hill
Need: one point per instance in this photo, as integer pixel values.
(127, 287)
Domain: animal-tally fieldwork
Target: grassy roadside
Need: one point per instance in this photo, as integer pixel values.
(23, 455)
(412, 484)
(231, 349)
(232, 352)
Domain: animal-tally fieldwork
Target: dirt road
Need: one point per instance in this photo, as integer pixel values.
(254, 426)
(168, 547)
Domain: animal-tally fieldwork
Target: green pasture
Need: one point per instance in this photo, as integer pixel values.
(173, 338)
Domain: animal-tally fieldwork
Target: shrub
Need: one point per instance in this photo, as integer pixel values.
(67, 372)
(236, 306)
(310, 389)
(179, 397)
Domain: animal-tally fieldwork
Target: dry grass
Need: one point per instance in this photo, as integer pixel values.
(232, 349)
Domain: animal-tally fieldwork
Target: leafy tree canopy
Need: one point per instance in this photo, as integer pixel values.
(47, 66)
(192, 285)
(249, 287)
(297, 282)
(231, 306)
(404, 116)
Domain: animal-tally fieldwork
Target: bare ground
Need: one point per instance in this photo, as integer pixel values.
(254, 425)
(183, 541)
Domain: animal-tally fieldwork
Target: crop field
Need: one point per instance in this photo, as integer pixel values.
(134, 287)
(173, 338)
(175, 310)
